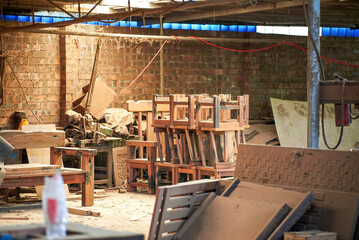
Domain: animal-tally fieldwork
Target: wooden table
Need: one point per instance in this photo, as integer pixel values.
(106, 146)
(74, 231)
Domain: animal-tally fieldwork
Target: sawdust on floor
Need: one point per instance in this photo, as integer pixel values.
(131, 212)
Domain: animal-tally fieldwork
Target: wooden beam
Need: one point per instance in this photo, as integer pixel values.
(180, 17)
(32, 139)
(59, 7)
(118, 16)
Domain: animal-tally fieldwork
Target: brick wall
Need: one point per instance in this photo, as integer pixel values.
(189, 67)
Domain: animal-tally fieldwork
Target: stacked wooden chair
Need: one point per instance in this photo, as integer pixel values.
(197, 137)
(192, 120)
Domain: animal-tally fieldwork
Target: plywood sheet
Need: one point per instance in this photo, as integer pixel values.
(298, 202)
(291, 124)
(232, 218)
(257, 192)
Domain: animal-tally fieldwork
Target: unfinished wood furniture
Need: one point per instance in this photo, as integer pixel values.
(219, 119)
(74, 231)
(135, 164)
(143, 108)
(103, 174)
(23, 175)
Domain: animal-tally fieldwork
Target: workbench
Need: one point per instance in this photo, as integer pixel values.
(106, 146)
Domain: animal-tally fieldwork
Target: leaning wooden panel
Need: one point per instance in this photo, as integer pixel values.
(34, 139)
(174, 204)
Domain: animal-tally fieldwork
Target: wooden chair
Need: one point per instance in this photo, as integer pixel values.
(22, 175)
(135, 164)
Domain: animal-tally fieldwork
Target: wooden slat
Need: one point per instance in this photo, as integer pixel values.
(141, 143)
(195, 215)
(181, 201)
(34, 139)
(173, 226)
(29, 167)
(31, 180)
(177, 213)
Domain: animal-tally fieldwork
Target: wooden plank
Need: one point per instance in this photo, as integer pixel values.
(178, 213)
(172, 226)
(29, 167)
(39, 180)
(83, 212)
(33, 139)
(186, 200)
(141, 143)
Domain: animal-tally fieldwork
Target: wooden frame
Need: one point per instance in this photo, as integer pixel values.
(176, 203)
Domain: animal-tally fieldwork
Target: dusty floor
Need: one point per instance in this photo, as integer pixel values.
(119, 211)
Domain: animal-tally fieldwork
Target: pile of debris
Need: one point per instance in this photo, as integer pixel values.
(114, 122)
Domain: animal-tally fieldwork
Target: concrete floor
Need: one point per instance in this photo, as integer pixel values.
(131, 212)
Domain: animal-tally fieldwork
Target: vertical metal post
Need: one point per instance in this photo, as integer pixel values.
(313, 74)
(162, 82)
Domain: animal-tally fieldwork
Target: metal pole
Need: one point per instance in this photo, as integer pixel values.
(162, 81)
(313, 74)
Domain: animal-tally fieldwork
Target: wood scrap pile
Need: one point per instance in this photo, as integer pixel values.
(113, 122)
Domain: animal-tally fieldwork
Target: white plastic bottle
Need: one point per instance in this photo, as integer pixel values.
(54, 207)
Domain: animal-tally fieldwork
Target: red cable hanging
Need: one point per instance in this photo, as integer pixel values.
(124, 90)
(266, 48)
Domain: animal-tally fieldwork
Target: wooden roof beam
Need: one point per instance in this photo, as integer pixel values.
(233, 11)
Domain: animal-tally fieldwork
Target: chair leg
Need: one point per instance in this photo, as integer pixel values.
(151, 179)
(130, 178)
(88, 185)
